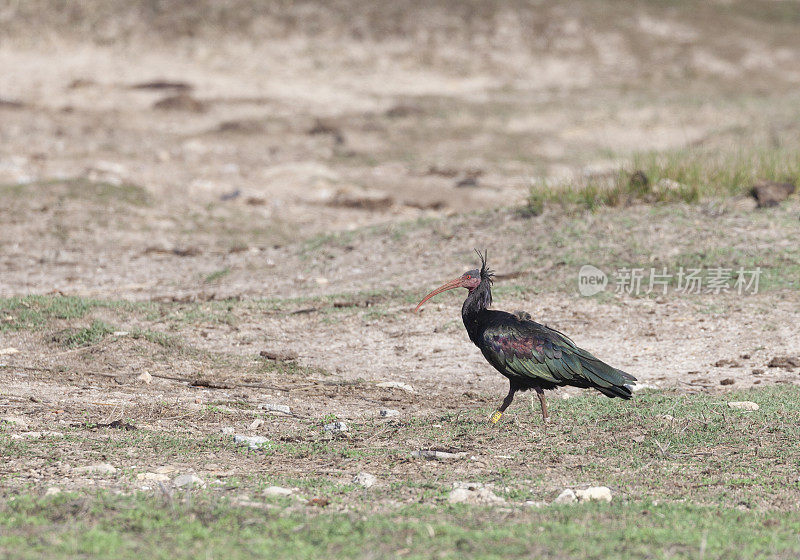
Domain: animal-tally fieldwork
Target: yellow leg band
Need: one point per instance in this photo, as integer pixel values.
(496, 417)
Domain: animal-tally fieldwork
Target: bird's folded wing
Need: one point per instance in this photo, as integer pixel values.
(534, 351)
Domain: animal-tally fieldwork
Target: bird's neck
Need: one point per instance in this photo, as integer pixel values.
(476, 303)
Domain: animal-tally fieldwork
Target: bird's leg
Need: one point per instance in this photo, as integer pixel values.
(543, 402)
(506, 401)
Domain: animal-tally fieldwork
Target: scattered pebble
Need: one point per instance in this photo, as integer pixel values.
(389, 412)
(785, 362)
(566, 497)
(180, 102)
(594, 494)
(152, 477)
(643, 386)
(145, 378)
(227, 430)
(534, 504)
(253, 442)
(365, 479)
(282, 408)
(727, 381)
(53, 491)
(188, 481)
(473, 493)
(8, 351)
(397, 385)
(37, 435)
(771, 193)
(257, 423)
(727, 363)
(277, 491)
(16, 420)
(432, 454)
(279, 355)
(758, 371)
(743, 405)
(102, 468)
(336, 427)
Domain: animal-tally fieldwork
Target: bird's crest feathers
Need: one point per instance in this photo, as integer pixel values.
(486, 272)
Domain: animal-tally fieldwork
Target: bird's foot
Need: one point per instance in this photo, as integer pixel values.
(495, 418)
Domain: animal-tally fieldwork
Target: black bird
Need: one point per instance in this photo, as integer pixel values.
(530, 355)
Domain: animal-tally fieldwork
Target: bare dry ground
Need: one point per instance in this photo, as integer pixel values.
(185, 186)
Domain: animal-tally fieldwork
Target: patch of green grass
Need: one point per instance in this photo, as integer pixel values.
(156, 337)
(83, 189)
(86, 336)
(217, 275)
(19, 313)
(674, 176)
(132, 526)
(179, 315)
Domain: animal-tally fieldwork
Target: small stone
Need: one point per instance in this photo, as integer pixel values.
(743, 405)
(365, 479)
(38, 435)
(253, 442)
(281, 408)
(397, 385)
(594, 494)
(364, 199)
(152, 477)
(473, 493)
(727, 381)
(726, 362)
(336, 427)
(145, 378)
(277, 491)
(758, 371)
(180, 102)
(53, 491)
(534, 504)
(785, 362)
(227, 430)
(279, 355)
(16, 420)
(102, 468)
(389, 412)
(642, 386)
(771, 193)
(8, 351)
(566, 497)
(257, 423)
(188, 481)
(434, 455)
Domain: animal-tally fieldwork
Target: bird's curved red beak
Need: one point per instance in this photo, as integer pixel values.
(451, 285)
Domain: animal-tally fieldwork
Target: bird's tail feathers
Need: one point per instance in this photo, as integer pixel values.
(610, 381)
